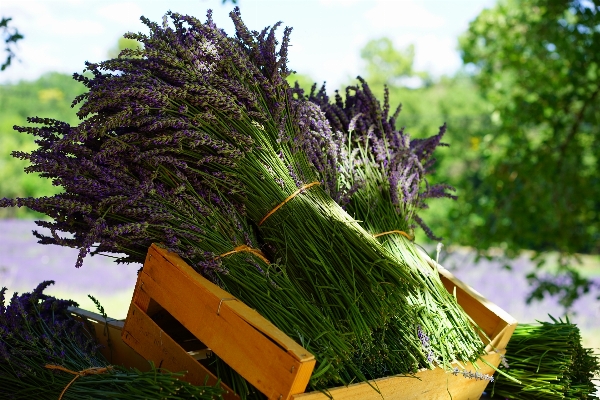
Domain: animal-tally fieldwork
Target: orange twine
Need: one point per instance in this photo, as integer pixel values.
(248, 249)
(406, 235)
(291, 196)
(85, 372)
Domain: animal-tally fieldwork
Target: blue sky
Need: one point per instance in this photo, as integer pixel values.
(328, 34)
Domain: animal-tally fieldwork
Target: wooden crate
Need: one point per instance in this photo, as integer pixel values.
(108, 335)
(173, 358)
(172, 300)
(176, 314)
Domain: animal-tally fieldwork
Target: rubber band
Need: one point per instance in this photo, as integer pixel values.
(85, 372)
(406, 235)
(248, 249)
(291, 196)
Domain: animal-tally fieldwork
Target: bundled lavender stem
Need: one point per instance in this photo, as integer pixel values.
(550, 363)
(158, 205)
(40, 341)
(379, 175)
(124, 191)
(216, 113)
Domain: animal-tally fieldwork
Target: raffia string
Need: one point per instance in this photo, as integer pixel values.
(85, 372)
(248, 249)
(406, 235)
(291, 196)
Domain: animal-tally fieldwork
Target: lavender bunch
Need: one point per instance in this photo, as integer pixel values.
(37, 331)
(216, 112)
(130, 204)
(365, 136)
(549, 362)
(383, 175)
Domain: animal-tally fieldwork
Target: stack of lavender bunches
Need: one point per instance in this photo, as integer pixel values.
(45, 353)
(196, 141)
(386, 170)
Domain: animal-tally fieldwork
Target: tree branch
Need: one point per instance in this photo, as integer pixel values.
(575, 127)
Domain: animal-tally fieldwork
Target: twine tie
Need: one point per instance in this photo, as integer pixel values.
(85, 372)
(291, 196)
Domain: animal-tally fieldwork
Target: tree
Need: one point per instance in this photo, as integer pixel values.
(122, 44)
(11, 36)
(537, 62)
(386, 65)
(454, 100)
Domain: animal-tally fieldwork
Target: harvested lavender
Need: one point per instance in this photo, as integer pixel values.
(549, 361)
(379, 175)
(43, 348)
(216, 113)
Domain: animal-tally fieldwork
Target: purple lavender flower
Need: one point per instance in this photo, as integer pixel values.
(426, 344)
(402, 162)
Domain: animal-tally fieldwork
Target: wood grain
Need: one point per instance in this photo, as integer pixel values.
(266, 357)
(435, 384)
(142, 334)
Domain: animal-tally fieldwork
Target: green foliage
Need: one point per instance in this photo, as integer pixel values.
(388, 66)
(11, 36)
(537, 63)
(49, 96)
(122, 44)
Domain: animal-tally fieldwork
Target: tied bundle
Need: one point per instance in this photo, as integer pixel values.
(550, 362)
(194, 141)
(378, 174)
(47, 354)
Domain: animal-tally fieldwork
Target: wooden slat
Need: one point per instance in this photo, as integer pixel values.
(142, 334)
(428, 384)
(493, 320)
(243, 311)
(255, 348)
(116, 352)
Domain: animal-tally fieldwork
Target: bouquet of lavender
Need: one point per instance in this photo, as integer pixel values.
(195, 118)
(550, 363)
(379, 175)
(124, 191)
(47, 354)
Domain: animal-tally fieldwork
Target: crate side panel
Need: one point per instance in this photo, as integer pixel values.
(143, 335)
(244, 312)
(435, 384)
(254, 356)
(108, 335)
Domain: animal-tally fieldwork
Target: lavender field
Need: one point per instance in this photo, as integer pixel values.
(24, 263)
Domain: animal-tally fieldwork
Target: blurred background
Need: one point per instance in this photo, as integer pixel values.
(516, 82)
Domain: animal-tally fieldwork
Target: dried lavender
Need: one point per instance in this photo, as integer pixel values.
(37, 331)
(216, 112)
(154, 204)
(148, 204)
(369, 136)
(549, 362)
(384, 173)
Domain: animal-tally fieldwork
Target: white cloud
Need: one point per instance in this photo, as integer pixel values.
(339, 2)
(122, 13)
(402, 14)
(61, 34)
(433, 53)
(72, 26)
